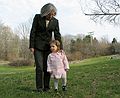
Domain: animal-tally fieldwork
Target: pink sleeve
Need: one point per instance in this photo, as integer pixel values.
(65, 62)
(48, 64)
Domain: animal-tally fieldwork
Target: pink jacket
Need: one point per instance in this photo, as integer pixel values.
(56, 64)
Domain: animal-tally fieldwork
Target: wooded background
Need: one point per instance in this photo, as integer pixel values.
(15, 45)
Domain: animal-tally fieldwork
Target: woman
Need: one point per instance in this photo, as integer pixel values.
(40, 36)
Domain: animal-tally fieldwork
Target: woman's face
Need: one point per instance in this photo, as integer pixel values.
(50, 15)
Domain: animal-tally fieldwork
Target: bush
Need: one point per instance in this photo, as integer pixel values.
(21, 62)
(74, 56)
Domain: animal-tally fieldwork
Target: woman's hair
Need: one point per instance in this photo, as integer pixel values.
(57, 43)
(47, 8)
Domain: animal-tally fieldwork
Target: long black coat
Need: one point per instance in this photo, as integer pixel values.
(40, 36)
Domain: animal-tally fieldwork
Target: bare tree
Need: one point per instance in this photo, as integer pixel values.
(102, 10)
(5, 41)
(23, 31)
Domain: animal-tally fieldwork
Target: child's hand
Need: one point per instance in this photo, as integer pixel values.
(66, 69)
(50, 72)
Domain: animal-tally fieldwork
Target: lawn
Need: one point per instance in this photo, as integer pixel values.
(91, 78)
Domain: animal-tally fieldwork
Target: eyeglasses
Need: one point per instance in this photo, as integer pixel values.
(52, 13)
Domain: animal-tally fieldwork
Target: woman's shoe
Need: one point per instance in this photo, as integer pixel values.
(46, 89)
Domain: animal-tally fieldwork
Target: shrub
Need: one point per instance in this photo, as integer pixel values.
(21, 62)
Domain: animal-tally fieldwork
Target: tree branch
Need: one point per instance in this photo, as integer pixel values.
(102, 14)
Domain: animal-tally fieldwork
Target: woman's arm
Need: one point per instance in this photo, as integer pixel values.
(32, 32)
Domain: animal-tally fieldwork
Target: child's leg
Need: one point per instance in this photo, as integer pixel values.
(56, 83)
(64, 80)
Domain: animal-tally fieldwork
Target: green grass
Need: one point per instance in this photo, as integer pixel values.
(91, 78)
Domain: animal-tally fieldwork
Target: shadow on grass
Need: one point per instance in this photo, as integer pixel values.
(26, 89)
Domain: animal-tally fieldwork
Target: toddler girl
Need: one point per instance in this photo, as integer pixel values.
(57, 65)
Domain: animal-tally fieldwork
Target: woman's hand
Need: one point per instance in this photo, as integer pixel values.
(32, 50)
(50, 72)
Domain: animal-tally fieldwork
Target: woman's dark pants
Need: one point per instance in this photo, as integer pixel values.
(42, 76)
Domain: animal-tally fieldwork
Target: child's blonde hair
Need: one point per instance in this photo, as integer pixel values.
(57, 43)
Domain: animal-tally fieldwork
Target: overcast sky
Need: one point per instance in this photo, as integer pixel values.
(71, 19)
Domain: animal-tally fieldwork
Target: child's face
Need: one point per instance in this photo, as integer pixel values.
(53, 48)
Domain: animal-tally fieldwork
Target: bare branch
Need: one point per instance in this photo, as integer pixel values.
(103, 14)
(104, 10)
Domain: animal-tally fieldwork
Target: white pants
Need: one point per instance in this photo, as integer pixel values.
(64, 81)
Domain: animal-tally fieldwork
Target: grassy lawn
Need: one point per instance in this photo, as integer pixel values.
(91, 78)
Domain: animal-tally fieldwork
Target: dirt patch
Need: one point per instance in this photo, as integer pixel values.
(4, 62)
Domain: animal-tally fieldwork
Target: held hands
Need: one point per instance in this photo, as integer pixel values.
(50, 72)
(32, 50)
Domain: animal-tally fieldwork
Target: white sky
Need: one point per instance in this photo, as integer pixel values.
(71, 19)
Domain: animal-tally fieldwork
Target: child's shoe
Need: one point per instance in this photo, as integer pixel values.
(56, 90)
(64, 88)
